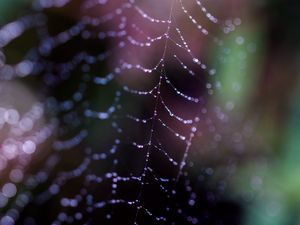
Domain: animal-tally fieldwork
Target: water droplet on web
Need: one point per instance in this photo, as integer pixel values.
(9, 190)
(11, 116)
(29, 147)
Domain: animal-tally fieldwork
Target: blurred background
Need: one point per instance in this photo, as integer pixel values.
(76, 98)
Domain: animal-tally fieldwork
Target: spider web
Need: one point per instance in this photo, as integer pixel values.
(125, 88)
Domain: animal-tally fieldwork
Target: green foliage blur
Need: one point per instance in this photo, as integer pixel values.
(269, 97)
